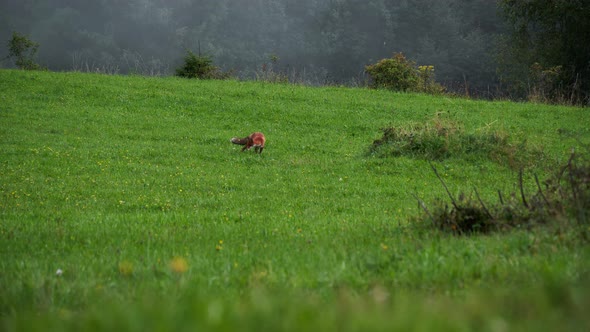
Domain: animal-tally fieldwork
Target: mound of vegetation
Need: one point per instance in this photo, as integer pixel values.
(564, 197)
(443, 138)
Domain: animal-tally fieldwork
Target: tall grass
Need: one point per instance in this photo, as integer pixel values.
(442, 138)
(124, 206)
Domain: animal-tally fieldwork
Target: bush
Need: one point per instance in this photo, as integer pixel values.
(426, 82)
(396, 73)
(24, 50)
(200, 66)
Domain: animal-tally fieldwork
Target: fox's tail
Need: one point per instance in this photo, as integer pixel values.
(240, 141)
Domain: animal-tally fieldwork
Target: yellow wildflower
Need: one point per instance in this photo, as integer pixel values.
(178, 265)
(126, 268)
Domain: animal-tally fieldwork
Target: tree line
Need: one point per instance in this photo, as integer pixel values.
(504, 48)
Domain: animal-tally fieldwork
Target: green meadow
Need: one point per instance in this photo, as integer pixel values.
(124, 207)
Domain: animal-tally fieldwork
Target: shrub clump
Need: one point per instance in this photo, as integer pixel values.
(396, 73)
(565, 196)
(200, 66)
(400, 74)
(24, 50)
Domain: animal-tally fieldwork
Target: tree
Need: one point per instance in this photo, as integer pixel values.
(24, 50)
(549, 36)
(200, 66)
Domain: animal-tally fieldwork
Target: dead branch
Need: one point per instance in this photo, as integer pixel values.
(444, 185)
(482, 204)
(522, 189)
(424, 208)
(541, 191)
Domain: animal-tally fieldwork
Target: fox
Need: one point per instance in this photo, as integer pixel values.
(255, 140)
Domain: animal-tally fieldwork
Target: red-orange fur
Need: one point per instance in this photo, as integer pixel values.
(255, 140)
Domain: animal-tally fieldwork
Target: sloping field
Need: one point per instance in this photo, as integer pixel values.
(124, 206)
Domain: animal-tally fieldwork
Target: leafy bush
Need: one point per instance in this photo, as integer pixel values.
(396, 73)
(400, 74)
(426, 82)
(200, 66)
(24, 50)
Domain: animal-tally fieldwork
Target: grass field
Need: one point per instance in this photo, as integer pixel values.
(124, 207)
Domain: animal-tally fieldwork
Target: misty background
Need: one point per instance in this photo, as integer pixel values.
(312, 41)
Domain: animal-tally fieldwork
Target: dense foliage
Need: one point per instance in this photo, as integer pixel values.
(23, 50)
(548, 47)
(322, 41)
(397, 73)
(401, 74)
(315, 41)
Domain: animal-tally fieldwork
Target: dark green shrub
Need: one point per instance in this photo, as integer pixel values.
(199, 66)
(24, 50)
(396, 73)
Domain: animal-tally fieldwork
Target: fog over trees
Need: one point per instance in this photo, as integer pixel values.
(311, 41)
